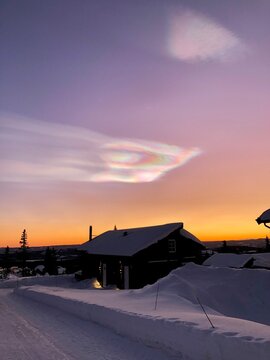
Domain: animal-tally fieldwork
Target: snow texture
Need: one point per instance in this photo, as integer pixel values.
(228, 260)
(31, 330)
(168, 314)
(262, 260)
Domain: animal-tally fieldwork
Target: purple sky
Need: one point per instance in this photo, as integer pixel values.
(194, 74)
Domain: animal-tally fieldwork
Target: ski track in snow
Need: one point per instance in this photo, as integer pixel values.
(33, 331)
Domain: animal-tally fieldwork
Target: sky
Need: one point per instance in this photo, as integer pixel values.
(133, 113)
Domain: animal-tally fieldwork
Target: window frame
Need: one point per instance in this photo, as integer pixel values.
(171, 246)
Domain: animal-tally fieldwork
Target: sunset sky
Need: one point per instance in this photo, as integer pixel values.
(133, 113)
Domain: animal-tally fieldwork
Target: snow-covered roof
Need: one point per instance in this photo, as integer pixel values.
(127, 242)
(228, 260)
(190, 236)
(40, 268)
(262, 260)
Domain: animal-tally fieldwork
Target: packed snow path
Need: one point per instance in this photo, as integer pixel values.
(33, 331)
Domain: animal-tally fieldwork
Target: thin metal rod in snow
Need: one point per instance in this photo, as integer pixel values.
(205, 312)
(157, 296)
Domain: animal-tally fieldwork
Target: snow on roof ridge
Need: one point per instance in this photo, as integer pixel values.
(113, 242)
(188, 235)
(147, 227)
(136, 228)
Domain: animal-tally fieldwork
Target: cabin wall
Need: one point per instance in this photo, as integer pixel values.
(147, 266)
(185, 248)
(158, 260)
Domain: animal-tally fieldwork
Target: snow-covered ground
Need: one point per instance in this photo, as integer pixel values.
(31, 330)
(168, 315)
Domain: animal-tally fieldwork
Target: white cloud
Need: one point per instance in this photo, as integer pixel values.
(196, 37)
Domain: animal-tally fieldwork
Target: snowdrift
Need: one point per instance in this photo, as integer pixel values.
(232, 298)
(62, 281)
(239, 293)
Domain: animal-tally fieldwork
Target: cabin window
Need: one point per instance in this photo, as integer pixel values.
(171, 246)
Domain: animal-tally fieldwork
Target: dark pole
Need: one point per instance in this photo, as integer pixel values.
(157, 296)
(90, 233)
(203, 309)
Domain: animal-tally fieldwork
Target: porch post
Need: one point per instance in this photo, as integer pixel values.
(104, 275)
(126, 277)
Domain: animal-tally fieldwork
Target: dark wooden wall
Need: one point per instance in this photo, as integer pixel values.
(148, 265)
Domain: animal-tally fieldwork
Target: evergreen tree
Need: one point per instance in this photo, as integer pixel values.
(23, 240)
(224, 247)
(24, 247)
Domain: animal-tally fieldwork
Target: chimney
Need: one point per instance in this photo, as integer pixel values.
(90, 233)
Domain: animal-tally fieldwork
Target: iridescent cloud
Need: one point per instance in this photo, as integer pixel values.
(196, 37)
(33, 150)
(140, 161)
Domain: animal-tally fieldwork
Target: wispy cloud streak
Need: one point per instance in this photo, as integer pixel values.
(32, 150)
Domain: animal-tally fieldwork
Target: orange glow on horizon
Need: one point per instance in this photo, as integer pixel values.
(70, 234)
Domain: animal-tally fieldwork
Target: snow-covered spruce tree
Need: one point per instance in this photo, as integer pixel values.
(24, 247)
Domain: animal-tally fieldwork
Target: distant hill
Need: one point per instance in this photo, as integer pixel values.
(41, 248)
(253, 243)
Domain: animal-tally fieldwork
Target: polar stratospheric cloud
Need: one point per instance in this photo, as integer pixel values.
(196, 37)
(32, 150)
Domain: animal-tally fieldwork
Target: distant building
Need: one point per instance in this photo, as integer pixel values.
(132, 258)
(230, 260)
(262, 260)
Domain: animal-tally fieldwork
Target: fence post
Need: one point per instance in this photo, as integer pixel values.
(157, 296)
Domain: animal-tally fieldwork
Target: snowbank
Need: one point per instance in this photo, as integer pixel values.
(178, 323)
(63, 281)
